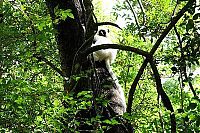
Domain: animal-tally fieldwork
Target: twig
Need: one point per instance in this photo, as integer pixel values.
(134, 14)
(143, 11)
(41, 58)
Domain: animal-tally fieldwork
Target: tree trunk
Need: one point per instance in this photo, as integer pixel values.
(71, 34)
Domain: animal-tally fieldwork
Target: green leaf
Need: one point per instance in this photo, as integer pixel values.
(66, 13)
(71, 15)
(86, 94)
(23, 7)
(56, 103)
(39, 118)
(192, 117)
(19, 100)
(114, 122)
(111, 122)
(107, 121)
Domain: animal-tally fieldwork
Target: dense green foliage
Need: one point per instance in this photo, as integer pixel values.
(31, 92)
(29, 88)
(173, 54)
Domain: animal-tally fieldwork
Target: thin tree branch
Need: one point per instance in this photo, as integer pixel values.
(1, 18)
(1, 13)
(134, 14)
(41, 58)
(190, 84)
(85, 44)
(160, 115)
(115, 46)
(157, 44)
(181, 86)
(108, 23)
(184, 62)
(171, 25)
(34, 44)
(177, 1)
(143, 11)
(164, 97)
(136, 19)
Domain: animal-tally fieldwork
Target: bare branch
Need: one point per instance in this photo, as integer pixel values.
(115, 46)
(108, 23)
